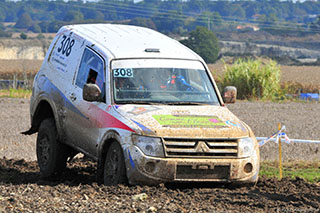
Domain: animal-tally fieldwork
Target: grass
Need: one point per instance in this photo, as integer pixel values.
(309, 171)
(15, 93)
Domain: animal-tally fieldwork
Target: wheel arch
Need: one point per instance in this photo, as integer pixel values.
(103, 148)
(44, 109)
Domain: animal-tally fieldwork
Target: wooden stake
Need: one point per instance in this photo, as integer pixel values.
(280, 154)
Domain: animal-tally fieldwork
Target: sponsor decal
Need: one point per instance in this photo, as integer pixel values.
(141, 110)
(236, 124)
(109, 108)
(180, 112)
(189, 121)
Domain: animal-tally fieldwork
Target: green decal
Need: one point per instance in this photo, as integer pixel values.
(189, 121)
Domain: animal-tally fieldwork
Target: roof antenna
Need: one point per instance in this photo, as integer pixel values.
(152, 50)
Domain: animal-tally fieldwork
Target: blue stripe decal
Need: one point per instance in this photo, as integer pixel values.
(131, 160)
(59, 97)
(144, 128)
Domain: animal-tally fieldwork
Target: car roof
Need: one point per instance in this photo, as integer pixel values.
(126, 41)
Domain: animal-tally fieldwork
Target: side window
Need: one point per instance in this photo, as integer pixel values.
(91, 71)
(196, 79)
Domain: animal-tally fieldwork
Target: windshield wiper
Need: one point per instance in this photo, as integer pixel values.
(187, 103)
(134, 102)
(162, 102)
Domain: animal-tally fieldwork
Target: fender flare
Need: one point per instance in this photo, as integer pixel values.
(36, 124)
(103, 147)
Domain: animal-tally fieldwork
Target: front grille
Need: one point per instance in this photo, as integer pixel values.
(202, 148)
(185, 172)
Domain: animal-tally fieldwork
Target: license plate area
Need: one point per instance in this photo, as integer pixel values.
(202, 172)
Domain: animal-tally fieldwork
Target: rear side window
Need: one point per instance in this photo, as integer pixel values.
(91, 70)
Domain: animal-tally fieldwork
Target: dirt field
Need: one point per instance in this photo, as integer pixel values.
(22, 189)
(300, 119)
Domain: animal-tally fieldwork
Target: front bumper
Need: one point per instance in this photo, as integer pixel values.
(142, 169)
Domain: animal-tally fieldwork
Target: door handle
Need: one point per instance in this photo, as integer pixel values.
(73, 97)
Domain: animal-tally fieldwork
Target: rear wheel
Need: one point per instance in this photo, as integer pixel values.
(114, 167)
(51, 154)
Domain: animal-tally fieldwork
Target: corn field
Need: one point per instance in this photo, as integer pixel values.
(294, 79)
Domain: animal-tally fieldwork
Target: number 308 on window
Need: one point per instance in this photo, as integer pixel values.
(123, 73)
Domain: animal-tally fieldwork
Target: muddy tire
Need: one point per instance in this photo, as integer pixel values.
(114, 172)
(51, 154)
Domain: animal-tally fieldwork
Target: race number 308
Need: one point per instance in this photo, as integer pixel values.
(123, 73)
(66, 45)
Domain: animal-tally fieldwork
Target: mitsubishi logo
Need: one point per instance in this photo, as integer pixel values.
(202, 147)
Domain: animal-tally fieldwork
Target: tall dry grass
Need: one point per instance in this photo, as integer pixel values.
(19, 70)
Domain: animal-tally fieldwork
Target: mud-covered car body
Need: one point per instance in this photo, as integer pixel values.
(166, 135)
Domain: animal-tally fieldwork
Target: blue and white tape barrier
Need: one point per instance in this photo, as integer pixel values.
(284, 138)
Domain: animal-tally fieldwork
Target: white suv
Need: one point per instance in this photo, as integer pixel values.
(141, 104)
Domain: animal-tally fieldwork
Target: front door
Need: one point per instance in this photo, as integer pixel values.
(83, 120)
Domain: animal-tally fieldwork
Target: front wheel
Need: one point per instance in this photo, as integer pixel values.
(51, 154)
(114, 167)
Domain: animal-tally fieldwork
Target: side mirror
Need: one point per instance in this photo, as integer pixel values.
(91, 92)
(229, 94)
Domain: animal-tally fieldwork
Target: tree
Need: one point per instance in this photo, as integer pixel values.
(209, 20)
(24, 21)
(169, 22)
(44, 26)
(237, 11)
(203, 42)
(217, 20)
(316, 24)
(35, 28)
(2, 13)
(268, 22)
(54, 26)
(73, 16)
(143, 22)
(93, 14)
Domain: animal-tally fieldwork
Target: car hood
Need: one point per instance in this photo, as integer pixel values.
(184, 121)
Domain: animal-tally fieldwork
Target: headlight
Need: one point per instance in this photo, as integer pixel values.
(246, 147)
(150, 146)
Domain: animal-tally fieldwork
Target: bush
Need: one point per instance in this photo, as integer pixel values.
(40, 36)
(5, 34)
(23, 36)
(253, 79)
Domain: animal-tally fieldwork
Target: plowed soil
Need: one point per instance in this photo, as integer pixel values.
(23, 190)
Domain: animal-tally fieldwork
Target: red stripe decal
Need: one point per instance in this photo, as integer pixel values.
(105, 120)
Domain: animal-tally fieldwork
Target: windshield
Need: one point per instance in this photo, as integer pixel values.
(162, 81)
